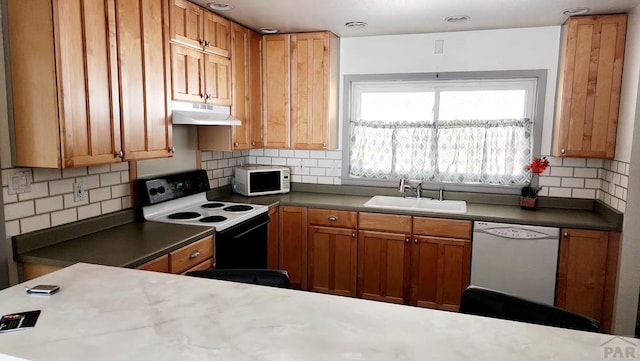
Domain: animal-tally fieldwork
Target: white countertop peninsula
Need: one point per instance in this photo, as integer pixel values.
(109, 313)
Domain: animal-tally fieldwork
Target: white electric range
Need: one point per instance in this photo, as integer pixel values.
(181, 198)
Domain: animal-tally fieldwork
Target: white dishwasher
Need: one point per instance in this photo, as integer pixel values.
(516, 259)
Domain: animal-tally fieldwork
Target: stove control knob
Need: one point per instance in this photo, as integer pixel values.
(153, 191)
(161, 190)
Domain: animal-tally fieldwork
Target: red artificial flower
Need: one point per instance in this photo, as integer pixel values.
(537, 165)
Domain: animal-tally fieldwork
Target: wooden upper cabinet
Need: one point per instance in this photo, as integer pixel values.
(216, 34)
(187, 23)
(245, 97)
(275, 90)
(589, 86)
(65, 94)
(217, 79)
(144, 72)
(255, 89)
(314, 86)
(96, 91)
(240, 87)
(198, 28)
(187, 69)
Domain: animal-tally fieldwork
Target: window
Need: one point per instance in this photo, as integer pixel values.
(464, 129)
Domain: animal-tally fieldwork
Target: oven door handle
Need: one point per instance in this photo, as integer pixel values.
(251, 230)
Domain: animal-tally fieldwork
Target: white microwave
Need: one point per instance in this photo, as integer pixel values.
(259, 180)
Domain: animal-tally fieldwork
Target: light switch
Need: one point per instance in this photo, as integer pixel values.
(19, 181)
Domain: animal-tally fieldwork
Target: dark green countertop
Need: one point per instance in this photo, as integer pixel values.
(113, 240)
(596, 218)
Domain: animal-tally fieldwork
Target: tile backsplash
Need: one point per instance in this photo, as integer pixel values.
(50, 201)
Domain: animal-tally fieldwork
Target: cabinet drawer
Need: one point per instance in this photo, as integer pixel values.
(439, 227)
(160, 264)
(385, 222)
(190, 255)
(329, 218)
(201, 267)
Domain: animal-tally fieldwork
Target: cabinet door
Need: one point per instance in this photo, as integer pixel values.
(255, 89)
(240, 86)
(440, 271)
(217, 79)
(216, 34)
(187, 74)
(186, 23)
(332, 260)
(272, 239)
(292, 245)
(87, 81)
(275, 93)
(64, 82)
(581, 271)
(383, 265)
(313, 111)
(144, 78)
(589, 86)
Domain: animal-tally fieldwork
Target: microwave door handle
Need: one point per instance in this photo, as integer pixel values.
(251, 230)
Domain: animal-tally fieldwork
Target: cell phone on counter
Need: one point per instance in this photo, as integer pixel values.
(43, 289)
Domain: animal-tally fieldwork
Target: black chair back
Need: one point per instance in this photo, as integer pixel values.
(486, 302)
(264, 277)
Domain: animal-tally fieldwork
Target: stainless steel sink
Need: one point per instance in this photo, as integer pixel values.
(417, 205)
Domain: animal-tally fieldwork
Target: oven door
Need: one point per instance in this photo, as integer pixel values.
(243, 245)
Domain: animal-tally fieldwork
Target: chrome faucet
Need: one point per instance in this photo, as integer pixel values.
(403, 186)
(419, 190)
(441, 194)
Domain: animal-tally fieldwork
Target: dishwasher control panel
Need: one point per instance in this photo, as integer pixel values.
(514, 232)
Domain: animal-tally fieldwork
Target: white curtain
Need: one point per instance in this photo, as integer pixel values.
(459, 151)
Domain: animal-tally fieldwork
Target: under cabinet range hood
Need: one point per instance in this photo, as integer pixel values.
(202, 114)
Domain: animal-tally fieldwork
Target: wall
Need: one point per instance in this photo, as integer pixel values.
(628, 150)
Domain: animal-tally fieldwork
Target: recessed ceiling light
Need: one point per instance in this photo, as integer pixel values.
(356, 24)
(269, 30)
(219, 6)
(575, 11)
(457, 18)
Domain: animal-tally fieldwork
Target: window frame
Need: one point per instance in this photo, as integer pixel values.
(538, 116)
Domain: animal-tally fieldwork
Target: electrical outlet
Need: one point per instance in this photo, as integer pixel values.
(78, 192)
(19, 181)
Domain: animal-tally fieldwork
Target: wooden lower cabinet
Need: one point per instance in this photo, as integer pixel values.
(587, 273)
(425, 270)
(292, 244)
(272, 239)
(383, 265)
(160, 264)
(332, 260)
(441, 271)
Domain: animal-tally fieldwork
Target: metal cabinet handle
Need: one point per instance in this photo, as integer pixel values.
(209, 96)
(324, 145)
(415, 241)
(203, 96)
(235, 144)
(120, 154)
(563, 151)
(172, 149)
(194, 254)
(566, 234)
(253, 143)
(407, 240)
(332, 218)
(353, 235)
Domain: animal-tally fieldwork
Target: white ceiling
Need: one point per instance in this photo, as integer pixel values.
(406, 16)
